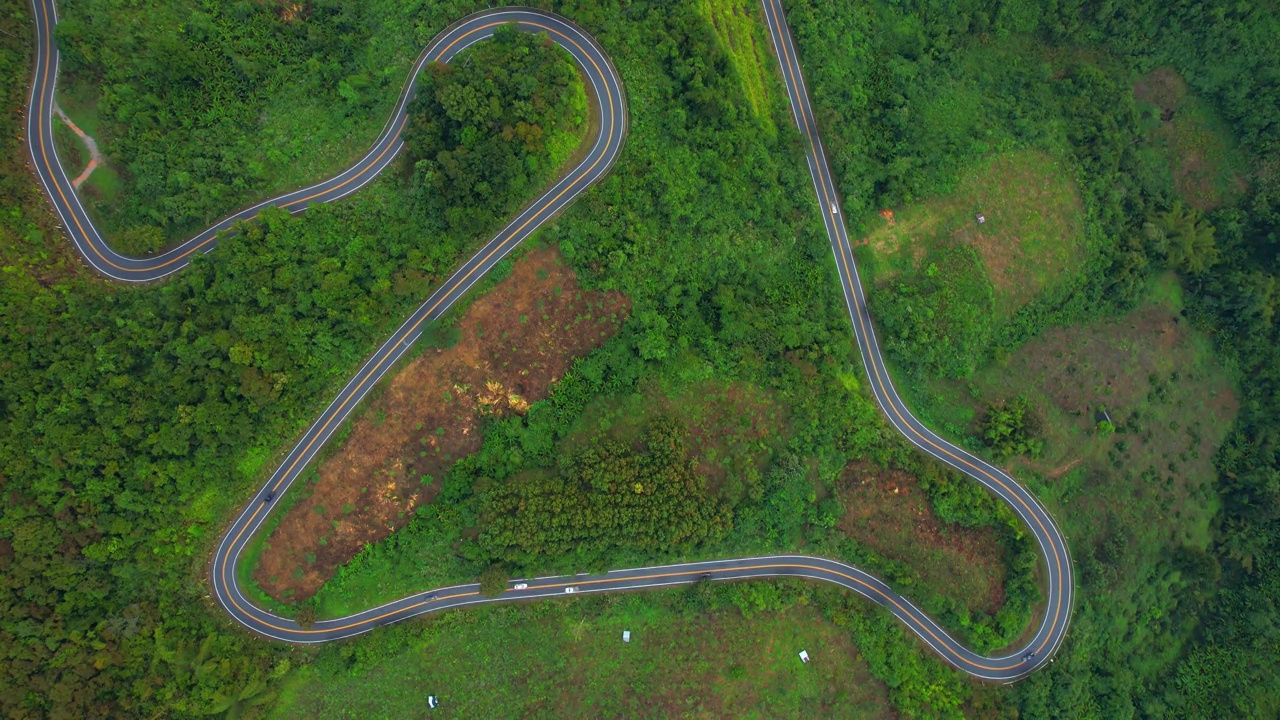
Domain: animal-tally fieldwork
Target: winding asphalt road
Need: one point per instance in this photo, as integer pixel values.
(612, 122)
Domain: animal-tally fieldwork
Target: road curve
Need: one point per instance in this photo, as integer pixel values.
(612, 122)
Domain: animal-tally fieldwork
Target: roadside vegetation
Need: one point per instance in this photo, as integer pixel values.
(205, 109)
(482, 135)
(503, 353)
(690, 652)
(135, 419)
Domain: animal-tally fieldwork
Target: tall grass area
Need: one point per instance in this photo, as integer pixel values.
(743, 36)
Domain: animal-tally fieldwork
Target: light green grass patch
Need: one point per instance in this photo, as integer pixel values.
(104, 183)
(71, 151)
(742, 38)
(1033, 234)
(80, 102)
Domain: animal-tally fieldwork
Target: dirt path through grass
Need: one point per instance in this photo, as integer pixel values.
(95, 156)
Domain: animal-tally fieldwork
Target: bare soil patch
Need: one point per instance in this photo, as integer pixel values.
(1200, 154)
(1162, 87)
(888, 512)
(514, 343)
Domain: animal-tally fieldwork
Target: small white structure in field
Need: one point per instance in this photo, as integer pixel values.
(626, 636)
(981, 218)
(804, 657)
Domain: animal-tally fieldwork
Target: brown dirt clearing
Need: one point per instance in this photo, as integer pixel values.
(888, 512)
(514, 343)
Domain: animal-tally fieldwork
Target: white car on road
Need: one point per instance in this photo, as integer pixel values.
(520, 586)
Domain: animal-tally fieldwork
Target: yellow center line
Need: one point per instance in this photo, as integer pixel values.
(373, 372)
(645, 577)
(841, 243)
(843, 255)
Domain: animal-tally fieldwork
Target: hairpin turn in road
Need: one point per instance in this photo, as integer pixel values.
(605, 149)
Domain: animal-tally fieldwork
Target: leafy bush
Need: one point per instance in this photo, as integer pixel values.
(486, 130)
(939, 320)
(1012, 428)
(493, 581)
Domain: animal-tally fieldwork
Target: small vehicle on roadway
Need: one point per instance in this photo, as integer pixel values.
(571, 590)
(430, 597)
(1029, 656)
(704, 576)
(270, 496)
(834, 211)
(520, 586)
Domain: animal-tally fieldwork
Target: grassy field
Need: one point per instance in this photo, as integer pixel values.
(80, 103)
(1032, 237)
(71, 151)
(1134, 501)
(567, 659)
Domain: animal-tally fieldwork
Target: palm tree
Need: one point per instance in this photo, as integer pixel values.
(234, 704)
(1244, 543)
(1191, 246)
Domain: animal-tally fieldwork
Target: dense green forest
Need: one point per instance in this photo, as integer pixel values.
(132, 420)
(491, 127)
